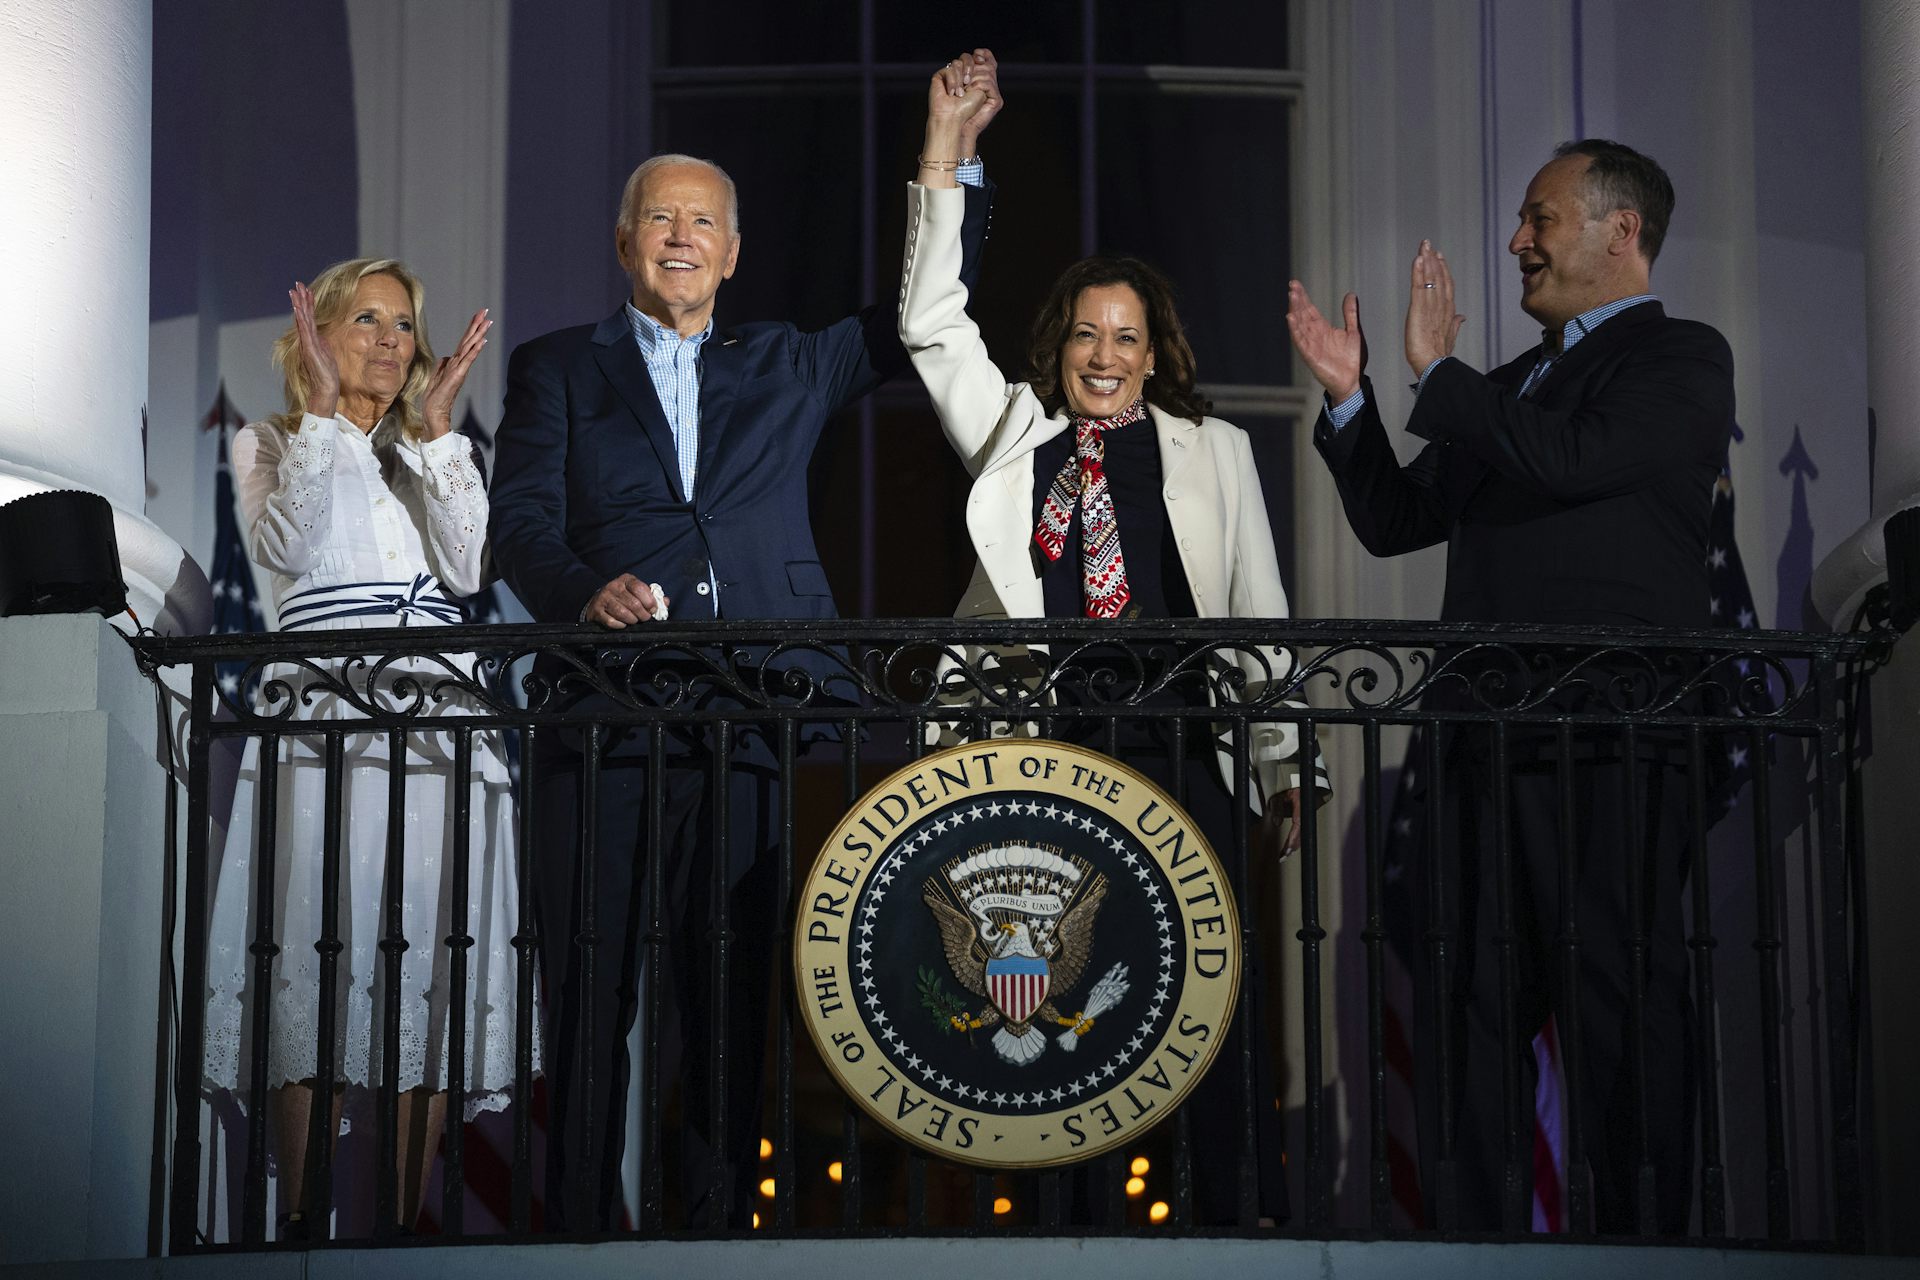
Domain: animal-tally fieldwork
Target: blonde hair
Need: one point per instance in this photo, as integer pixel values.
(333, 293)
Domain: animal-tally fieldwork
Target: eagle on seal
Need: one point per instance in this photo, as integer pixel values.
(1002, 962)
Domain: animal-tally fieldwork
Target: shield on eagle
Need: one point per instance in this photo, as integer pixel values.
(1017, 985)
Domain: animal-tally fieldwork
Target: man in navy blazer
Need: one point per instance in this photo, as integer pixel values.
(654, 461)
(1571, 486)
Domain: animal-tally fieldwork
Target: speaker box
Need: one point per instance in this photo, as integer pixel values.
(58, 555)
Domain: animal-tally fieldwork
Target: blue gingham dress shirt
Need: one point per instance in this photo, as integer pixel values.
(673, 366)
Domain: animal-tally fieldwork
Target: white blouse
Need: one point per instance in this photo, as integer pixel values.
(332, 505)
(327, 507)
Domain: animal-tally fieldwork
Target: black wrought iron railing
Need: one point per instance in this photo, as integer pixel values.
(828, 708)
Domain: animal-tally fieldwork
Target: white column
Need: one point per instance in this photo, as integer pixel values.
(1890, 46)
(80, 941)
(76, 100)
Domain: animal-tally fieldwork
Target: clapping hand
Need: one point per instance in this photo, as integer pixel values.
(316, 357)
(1336, 357)
(436, 406)
(1432, 325)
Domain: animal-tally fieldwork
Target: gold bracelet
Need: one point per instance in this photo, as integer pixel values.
(939, 166)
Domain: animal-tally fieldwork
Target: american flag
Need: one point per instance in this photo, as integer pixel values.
(236, 605)
(1730, 604)
(1730, 599)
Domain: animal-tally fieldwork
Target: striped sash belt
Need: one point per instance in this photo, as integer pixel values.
(423, 598)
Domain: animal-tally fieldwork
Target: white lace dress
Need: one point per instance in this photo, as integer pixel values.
(362, 532)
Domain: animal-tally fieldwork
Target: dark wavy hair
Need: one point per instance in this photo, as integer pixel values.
(1170, 389)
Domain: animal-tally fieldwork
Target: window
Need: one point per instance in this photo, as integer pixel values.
(1155, 129)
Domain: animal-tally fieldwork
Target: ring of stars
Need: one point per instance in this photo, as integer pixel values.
(1157, 995)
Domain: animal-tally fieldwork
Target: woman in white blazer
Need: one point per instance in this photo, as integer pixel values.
(1102, 489)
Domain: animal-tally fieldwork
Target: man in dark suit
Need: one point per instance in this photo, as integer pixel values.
(1571, 486)
(659, 459)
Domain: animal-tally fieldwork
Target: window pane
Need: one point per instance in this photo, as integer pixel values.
(922, 556)
(1016, 31)
(1199, 187)
(699, 33)
(1032, 157)
(800, 227)
(1192, 33)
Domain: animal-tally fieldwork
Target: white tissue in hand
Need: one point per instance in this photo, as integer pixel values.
(659, 602)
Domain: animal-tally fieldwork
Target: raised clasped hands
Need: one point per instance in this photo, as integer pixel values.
(316, 357)
(1432, 324)
(1335, 357)
(436, 406)
(966, 92)
(963, 97)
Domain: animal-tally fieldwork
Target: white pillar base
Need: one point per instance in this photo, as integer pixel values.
(83, 805)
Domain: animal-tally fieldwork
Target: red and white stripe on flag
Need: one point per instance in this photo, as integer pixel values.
(1017, 986)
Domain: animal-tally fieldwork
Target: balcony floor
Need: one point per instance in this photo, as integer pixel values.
(936, 1259)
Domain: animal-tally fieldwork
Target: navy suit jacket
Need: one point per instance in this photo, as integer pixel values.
(1587, 502)
(586, 483)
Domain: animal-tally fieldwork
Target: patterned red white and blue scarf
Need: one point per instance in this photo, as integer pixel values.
(1083, 481)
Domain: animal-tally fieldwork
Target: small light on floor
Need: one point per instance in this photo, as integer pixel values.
(1158, 1213)
(1136, 1187)
(1139, 1167)
(833, 1172)
(766, 1148)
(756, 1222)
(766, 1187)
(1002, 1205)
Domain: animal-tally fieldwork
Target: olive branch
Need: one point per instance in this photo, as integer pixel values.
(941, 1004)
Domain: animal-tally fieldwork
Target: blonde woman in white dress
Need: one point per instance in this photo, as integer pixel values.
(368, 511)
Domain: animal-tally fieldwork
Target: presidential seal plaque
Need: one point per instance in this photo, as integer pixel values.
(1017, 954)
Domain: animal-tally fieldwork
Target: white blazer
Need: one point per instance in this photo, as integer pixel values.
(1209, 484)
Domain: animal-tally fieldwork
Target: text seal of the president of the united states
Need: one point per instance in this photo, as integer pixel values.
(1017, 953)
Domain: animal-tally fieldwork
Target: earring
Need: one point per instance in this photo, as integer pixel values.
(1149, 373)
